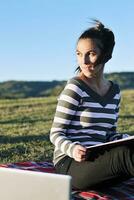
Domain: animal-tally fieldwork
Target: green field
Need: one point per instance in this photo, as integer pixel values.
(25, 125)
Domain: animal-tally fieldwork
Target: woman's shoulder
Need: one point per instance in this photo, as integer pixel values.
(74, 80)
(115, 86)
(73, 86)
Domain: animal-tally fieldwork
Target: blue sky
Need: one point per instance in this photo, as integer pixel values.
(38, 37)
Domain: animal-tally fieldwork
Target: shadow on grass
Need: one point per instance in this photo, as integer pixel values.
(23, 120)
(25, 148)
(126, 116)
(20, 139)
(129, 132)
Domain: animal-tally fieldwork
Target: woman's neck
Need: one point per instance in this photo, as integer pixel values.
(99, 84)
(97, 81)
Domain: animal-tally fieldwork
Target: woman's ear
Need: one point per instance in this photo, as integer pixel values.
(107, 54)
(106, 57)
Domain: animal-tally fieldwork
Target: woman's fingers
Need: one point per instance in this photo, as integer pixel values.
(79, 153)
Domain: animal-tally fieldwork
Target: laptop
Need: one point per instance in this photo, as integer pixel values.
(16, 184)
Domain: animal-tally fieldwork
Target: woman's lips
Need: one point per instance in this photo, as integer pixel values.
(90, 68)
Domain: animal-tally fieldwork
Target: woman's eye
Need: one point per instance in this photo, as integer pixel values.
(92, 54)
(78, 53)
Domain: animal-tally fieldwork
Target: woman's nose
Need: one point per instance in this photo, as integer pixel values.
(86, 60)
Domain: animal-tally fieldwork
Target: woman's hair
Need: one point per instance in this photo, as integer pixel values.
(106, 38)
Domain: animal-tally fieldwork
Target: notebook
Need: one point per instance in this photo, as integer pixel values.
(107, 145)
(18, 184)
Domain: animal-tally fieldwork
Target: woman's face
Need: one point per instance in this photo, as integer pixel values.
(88, 51)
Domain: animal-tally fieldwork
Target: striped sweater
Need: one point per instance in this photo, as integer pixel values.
(83, 117)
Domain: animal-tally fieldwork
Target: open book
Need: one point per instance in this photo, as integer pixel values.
(107, 145)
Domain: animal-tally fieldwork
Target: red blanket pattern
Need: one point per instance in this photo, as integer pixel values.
(123, 191)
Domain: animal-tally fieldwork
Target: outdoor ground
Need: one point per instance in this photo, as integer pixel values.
(25, 125)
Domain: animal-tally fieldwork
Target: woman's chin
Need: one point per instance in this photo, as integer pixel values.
(90, 74)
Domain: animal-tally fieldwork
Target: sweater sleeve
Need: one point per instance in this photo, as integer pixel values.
(117, 109)
(117, 135)
(66, 109)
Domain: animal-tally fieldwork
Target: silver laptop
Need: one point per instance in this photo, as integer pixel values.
(18, 184)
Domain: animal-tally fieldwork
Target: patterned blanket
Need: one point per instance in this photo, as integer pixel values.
(122, 191)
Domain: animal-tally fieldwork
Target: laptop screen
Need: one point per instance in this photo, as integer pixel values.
(18, 184)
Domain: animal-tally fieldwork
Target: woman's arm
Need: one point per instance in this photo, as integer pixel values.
(114, 134)
(66, 109)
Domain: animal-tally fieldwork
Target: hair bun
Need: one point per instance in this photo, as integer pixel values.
(98, 24)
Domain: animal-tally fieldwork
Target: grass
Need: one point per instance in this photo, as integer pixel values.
(25, 126)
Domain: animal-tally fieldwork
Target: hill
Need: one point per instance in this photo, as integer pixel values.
(25, 89)
(124, 79)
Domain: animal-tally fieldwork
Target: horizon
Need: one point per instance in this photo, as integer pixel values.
(38, 38)
(60, 79)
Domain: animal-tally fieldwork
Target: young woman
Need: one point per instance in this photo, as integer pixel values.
(87, 114)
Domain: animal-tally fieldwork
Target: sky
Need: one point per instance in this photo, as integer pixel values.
(38, 37)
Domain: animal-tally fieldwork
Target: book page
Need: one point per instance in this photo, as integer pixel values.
(119, 142)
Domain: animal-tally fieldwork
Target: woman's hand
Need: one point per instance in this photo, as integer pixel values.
(79, 153)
